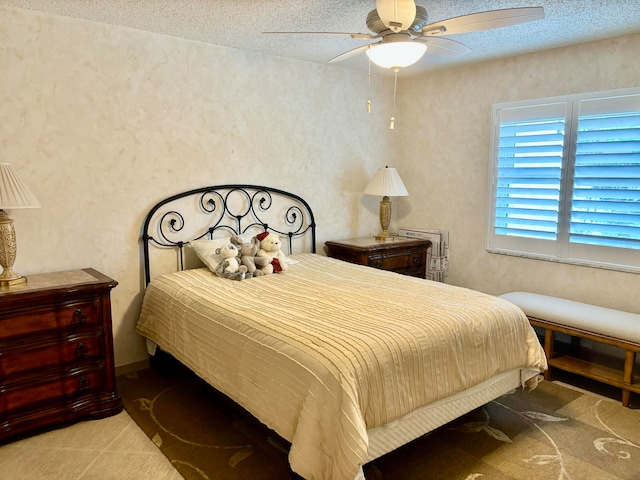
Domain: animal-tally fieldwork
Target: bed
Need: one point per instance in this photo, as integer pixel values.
(344, 361)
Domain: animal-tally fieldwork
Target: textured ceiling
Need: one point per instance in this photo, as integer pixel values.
(240, 23)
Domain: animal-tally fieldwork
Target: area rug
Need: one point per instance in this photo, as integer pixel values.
(553, 432)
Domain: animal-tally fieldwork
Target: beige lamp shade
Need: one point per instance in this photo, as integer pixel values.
(13, 193)
(386, 183)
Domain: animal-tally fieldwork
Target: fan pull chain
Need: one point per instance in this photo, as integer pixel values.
(369, 100)
(392, 124)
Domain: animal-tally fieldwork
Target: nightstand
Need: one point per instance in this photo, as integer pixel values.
(398, 254)
(56, 352)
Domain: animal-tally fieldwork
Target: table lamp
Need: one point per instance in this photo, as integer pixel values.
(386, 183)
(13, 194)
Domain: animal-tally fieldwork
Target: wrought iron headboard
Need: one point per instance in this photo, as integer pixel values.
(230, 209)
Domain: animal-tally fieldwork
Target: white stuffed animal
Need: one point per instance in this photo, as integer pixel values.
(270, 248)
(230, 266)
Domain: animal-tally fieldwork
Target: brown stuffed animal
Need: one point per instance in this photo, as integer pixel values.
(248, 256)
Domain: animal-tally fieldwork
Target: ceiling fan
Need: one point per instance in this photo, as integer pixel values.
(404, 34)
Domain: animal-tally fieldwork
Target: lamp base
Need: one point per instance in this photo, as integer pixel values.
(8, 249)
(13, 281)
(383, 237)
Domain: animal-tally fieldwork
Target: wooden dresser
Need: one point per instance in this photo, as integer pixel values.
(56, 352)
(398, 254)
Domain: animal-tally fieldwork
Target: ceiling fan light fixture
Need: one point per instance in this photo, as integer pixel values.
(396, 54)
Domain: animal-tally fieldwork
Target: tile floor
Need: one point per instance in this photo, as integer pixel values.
(112, 448)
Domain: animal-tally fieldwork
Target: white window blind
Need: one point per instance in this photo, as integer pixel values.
(605, 207)
(566, 180)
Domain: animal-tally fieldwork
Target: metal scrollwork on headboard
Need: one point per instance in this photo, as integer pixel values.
(207, 212)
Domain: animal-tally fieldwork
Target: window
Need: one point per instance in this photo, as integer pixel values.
(565, 180)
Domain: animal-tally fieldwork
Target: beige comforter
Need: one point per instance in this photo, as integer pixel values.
(329, 349)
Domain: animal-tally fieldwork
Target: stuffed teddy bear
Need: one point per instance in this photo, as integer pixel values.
(248, 254)
(230, 266)
(270, 248)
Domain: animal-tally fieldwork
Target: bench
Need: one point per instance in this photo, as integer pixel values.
(581, 320)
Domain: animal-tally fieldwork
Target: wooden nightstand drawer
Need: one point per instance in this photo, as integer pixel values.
(54, 353)
(407, 256)
(54, 388)
(396, 261)
(47, 318)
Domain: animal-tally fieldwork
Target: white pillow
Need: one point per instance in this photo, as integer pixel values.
(206, 251)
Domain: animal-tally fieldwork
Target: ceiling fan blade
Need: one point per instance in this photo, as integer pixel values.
(484, 21)
(357, 36)
(350, 53)
(397, 15)
(443, 47)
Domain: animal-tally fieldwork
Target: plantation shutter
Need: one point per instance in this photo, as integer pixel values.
(529, 171)
(565, 179)
(605, 206)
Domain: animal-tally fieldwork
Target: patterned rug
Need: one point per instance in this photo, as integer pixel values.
(554, 432)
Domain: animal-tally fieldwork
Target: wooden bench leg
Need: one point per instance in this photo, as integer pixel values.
(629, 366)
(549, 337)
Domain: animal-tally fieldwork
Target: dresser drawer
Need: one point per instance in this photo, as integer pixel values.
(36, 357)
(398, 261)
(50, 389)
(56, 352)
(74, 315)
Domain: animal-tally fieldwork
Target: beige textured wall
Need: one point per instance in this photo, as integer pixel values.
(446, 151)
(102, 122)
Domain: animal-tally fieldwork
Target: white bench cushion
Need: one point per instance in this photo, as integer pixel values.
(605, 321)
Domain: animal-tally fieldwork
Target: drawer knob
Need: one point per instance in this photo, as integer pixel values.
(81, 350)
(83, 384)
(79, 316)
(417, 260)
